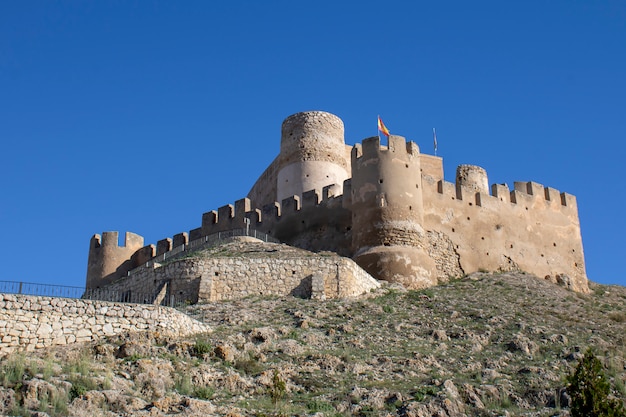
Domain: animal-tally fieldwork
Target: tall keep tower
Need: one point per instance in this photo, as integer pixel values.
(388, 213)
(312, 154)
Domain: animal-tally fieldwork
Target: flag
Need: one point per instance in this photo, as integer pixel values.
(382, 127)
(435, 140)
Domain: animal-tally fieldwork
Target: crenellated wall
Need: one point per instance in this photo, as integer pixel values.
(531, 228)
(390, 209)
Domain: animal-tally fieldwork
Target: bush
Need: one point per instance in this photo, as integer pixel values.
(201, 347)
(204, 393)
(590, 390)
(13, 370)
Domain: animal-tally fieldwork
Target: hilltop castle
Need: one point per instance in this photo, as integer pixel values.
(388, 208)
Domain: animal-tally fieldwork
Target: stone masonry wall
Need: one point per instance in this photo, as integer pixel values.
(245, 269)
(231, 278)
(32, 322)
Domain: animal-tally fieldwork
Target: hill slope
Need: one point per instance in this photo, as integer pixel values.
(485, 345)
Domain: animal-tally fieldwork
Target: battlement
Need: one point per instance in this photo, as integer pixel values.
(232, 216)
(531, 195)
(111, 240)
(372, 147)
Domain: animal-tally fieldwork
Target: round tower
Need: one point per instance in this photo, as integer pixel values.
(312, 154)
(107, 260)
(472, 177)
(387, 213)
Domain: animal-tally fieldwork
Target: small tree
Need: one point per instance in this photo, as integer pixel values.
(590, 390)
(278, 388)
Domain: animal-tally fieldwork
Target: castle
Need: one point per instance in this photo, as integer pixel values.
(385, 206)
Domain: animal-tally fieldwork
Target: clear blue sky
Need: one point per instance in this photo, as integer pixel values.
(142, 115)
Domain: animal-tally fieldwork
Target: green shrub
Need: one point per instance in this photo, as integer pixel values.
(590, 390)
(80, 386)
(423, 391)
(201, 347)
(316, 406)
(79, 365)
(204, 393)
(183, 385)
(13, 370)
(249, 366)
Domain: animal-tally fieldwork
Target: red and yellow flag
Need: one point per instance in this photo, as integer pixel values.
(382, 127)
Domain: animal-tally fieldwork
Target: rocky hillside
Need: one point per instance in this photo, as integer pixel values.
(485, 345)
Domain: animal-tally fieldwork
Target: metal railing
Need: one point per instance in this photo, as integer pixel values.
(62, 291)
(204, 242)
(46, 290)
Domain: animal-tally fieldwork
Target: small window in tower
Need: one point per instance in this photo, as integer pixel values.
(380, 181)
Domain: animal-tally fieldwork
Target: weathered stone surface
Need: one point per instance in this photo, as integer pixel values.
(24, 323)
(240, 269)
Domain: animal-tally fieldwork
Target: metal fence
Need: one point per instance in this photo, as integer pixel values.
(61, 291)
(205, 242)
(46, 290)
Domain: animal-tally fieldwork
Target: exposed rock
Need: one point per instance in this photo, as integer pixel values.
(522, 344)
(225, 352)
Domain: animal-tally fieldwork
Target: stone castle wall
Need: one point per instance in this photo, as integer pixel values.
(449, 230)
(220, 278)
(531, 228)
(32, 322)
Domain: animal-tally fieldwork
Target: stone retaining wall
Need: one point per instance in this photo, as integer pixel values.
(32, 322)
(232, 277)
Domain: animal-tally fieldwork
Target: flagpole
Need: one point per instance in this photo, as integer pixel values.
(435, 141)
(378, 128)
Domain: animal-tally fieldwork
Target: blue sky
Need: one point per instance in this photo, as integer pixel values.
(142, 115)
